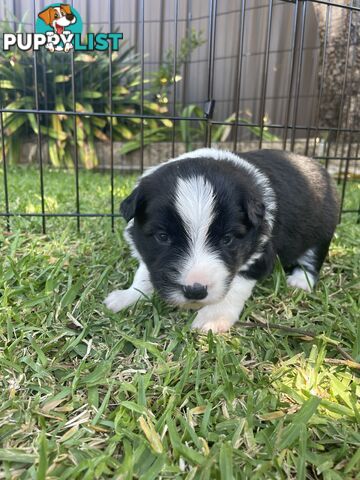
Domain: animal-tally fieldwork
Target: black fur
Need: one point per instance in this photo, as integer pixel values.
(307, 213)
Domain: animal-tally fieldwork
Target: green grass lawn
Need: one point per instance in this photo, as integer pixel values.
(86, 393)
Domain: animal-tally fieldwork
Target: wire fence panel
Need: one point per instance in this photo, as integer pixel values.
(238, 75)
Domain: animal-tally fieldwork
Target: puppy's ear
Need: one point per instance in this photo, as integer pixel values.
(45, 15)
(132, 204)
(255, 211)
(66, 8)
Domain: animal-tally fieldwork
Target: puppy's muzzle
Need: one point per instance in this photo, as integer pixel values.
(195, 292)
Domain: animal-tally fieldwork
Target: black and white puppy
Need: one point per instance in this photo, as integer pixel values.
(208, 224)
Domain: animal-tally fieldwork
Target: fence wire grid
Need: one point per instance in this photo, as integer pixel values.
(336, 144)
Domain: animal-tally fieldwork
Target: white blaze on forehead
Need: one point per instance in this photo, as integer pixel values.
(257, 175)
(194, 202)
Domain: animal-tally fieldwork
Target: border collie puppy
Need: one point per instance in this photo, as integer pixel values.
(208, 224)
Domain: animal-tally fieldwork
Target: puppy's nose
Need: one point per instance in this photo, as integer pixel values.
(69, 16)
(195, 292)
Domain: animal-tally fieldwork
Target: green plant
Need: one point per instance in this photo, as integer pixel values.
(161, 83)
(91, 81)
(165, 76)
(191, 132)
(54, 73)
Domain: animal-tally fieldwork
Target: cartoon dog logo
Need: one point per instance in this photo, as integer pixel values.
(59, 18)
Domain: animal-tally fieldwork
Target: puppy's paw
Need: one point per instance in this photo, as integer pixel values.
(301, 279)
(68, 47)
(209, 318)
(118, 300)
(50, 47)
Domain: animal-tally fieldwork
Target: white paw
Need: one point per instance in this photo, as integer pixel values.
(50, 47)
(68, 47)
(210, 318)
(118, 300)
(300, 279)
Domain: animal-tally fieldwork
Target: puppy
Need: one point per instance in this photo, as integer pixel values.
(207, 225)
(58, 18)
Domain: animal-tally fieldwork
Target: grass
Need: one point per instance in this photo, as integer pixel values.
(87, 394)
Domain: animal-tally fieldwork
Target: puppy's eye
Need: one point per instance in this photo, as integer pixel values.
(163, 238)
(227, 239)
(56, 15)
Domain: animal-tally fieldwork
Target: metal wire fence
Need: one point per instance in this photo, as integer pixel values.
(336, 145)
